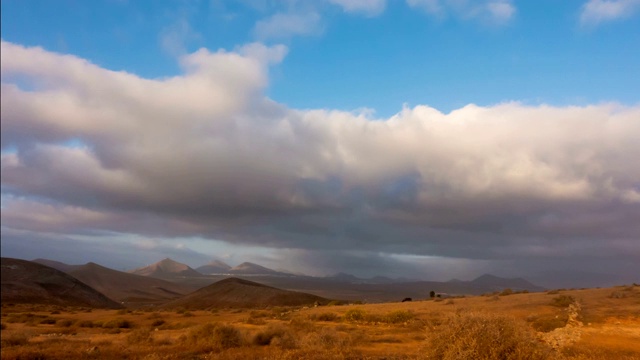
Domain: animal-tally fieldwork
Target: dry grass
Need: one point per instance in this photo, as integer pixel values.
(468, 328)
(484, 336)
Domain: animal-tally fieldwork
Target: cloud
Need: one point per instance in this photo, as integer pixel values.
(175, 37)
(597, 11)
(285, 25)
(365, 7)
(490, 11)
(205, 154)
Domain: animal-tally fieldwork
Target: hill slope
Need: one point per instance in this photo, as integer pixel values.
(55, 264)
(166, 268)
(247, 268)
(126, 287)
(26, 282)
(214, 267)
(239, 293)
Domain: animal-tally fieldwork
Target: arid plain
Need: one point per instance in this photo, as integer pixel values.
(564, 324)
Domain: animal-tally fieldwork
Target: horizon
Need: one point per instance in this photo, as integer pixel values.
(132, 270)
(417, 138)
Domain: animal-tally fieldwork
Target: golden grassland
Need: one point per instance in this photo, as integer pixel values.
(559, 324)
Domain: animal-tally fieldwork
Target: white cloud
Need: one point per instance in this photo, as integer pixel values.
(206, 154)
(489, 11)
(175, 37)
(365, 7)
(598, 11)
(285, 25)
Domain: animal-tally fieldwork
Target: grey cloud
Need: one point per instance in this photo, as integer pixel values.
(206, 154)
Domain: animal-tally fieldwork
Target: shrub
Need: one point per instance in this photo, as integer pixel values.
(506, 292)
(547, 323)
(48, 321)
(117, 324)
(3, 326)
(355, 315)
(157, 322)
(326, 316)
(618, 295)
(563, 300)
(273, 332)
(214, 337)
(86, 324)
(226, 337)
(494, 298)
(14, 340)
(398, 316)
(139, 336)
(484, 336)
(449, 302)
(65, 322)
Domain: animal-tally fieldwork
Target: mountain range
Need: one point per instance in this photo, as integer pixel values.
(169, 280)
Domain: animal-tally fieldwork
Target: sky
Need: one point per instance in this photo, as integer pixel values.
(430, 139)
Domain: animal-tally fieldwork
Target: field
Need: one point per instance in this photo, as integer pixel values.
(562, 324)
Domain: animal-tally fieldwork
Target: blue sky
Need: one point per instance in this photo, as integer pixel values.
(428, 138)
(544, 52)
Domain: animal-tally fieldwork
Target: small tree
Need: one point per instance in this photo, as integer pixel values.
(432, 294)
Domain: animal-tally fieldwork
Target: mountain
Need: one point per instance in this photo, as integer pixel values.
(214, 267)
(247, 268)
(240, 293)
(495, 283)
(56, 264)
(166, 268)
(32, 283)
(344, 277)
(126, 287)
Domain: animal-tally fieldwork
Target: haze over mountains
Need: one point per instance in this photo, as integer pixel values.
(169, 280)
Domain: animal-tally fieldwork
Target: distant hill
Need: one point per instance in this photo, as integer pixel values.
(56, 264)
(239, 293)
(126, 287)
(214, 267)
(27, 282)
(166, 268)
(344, 277)
(247, 268)
(495, 283)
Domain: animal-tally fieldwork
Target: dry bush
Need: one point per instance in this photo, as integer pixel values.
(449, 302)
(618, 295)
(325, 316)
(506, 292)
(65, 322)
(157, 322)
(3, 326)
(398, 316)
(326, 338)
(117, 324)
(563, 300)
(553, 292)
(86, 324)
(484, 336)
(218, 337)
(139, 336)
(48, 321)
(548, 322)
(494, 298)
(14, 340)
(276, 334)
(355, 315)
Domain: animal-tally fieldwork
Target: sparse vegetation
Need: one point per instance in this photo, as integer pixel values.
(355, 315)
(484, 336)
(563, 300)
(416, 330)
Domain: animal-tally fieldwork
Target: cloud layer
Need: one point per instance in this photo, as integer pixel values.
(205, 154)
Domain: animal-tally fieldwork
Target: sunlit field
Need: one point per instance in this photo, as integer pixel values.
(562, 324)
